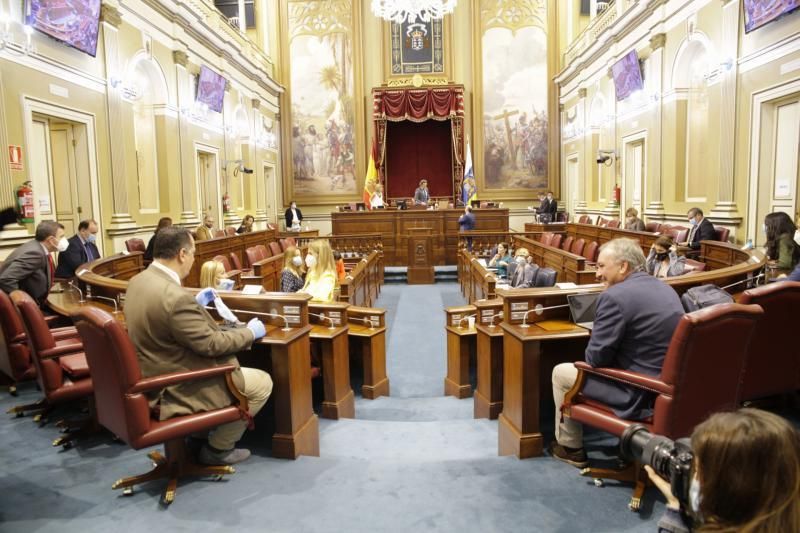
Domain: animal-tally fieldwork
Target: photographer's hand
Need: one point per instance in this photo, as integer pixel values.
(663, 485)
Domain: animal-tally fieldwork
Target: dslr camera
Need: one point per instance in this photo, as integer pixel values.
(670, 459)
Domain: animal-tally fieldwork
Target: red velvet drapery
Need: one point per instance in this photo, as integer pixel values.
(415, 151)
(444, 103)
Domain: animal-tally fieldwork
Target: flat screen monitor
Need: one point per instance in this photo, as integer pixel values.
(475, 204)
(75, 23)
(401, 204)
(361, 206)
(760, 12)
(627, 75)
(211, 89)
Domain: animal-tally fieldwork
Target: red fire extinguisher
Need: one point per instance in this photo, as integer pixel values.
(25, 202)
(616, 194)
(226, 203)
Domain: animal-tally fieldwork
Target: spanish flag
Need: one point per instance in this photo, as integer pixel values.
(370, 181)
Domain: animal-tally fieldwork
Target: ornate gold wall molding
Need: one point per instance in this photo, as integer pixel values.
(513, 15)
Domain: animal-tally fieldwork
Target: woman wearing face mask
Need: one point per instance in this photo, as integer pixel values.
(293, 217)
(746, 476)
(501, 260)
(632, 220)
(782, 250)
(663, 261)
(321, 274)
(212, 274)
(292, 273)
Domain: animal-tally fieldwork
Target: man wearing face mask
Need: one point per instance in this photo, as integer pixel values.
(82, 249)
(524, 273)
(702, 229)
(633, 325)
(172, 332)
(293, 216)
(30, 267)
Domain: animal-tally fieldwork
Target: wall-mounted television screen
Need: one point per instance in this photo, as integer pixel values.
(760, 12)
(211, 89)
(627, 75)
(74, 22)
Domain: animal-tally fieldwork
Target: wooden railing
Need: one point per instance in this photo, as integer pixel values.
(237, 244)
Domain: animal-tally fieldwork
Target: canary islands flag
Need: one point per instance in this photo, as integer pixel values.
(469, 191)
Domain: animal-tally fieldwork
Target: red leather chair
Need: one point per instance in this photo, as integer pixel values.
(585, 219)
(19, 365)
(275, 248)
(235, 262)
(226, 265)
(123, 408)
(652, 227)
(602, 221)
(555, 241)
(590, 251)
(135, 245)
(61, 368)
(230, 231)
(773, 365)
(613, 223)
(701, 375)
(562, 216)
(721, 234)
(546, 238)
(567, 243)
(290, 241)
(577, 247)
(251, 255)
(219, 233)
(263, 251)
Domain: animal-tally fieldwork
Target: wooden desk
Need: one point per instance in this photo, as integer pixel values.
(393, 227)
(420, 256)
(237, 244)
(461, 348)
(368, 338)
(488, 399)
(330, 336)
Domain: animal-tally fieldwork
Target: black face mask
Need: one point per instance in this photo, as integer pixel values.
(662, 256)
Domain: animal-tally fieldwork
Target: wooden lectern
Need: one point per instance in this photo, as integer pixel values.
(420, 255)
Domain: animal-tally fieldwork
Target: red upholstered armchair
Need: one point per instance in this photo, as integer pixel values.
(122, 406)
(614, 223)
(61, 368)
(135, 245)
(275, 248)
(585, 219)
(773, 366)
(19, 365)
(701, 375)
(652, 227)
(566, 244)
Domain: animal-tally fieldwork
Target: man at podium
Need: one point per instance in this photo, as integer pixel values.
(421, 196)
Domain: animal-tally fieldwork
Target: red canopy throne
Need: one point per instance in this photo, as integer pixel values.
(419, 133)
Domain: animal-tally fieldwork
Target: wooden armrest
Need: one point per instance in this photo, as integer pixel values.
(58, 351)
(635, 379)
(165, 380)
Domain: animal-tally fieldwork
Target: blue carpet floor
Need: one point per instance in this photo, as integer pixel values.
(414, 462)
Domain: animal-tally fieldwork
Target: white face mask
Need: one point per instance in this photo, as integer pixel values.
(63, 244)
(694, 494)
(297, 260)
(311, 261)
(521, 259)
(225, 284)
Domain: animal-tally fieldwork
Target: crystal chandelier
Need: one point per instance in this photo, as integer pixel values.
(400, 11)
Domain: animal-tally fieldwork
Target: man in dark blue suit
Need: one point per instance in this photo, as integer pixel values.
(82, 249)
(634, 322)
(702, 229)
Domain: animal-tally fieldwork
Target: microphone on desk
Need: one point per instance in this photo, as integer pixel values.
(72, 284)
(322, 316)
(748, 280)
(112, 300)
(259, 313)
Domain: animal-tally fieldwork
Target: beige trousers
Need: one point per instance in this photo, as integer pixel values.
(257, 388)
(568, 432)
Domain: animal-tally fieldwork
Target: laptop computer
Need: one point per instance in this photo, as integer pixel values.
(582, 308)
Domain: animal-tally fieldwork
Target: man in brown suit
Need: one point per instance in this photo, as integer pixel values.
(172, 332)
(205, 231)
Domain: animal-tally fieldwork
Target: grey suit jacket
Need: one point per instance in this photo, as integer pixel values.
(421, 196)
(523, 278)
(172, 333)
(633, 327)
(677, 264)
(27, 269)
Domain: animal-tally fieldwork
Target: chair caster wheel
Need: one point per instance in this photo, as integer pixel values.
(218, 477)
(37, 418)
(58, 442)
(67, 445)
(634, 505)
(127, 491)
(598, 482)
(19, 414)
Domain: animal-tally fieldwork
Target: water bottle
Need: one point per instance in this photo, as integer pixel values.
(749, 244)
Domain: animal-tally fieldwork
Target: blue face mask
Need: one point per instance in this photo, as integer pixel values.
(91, 238)
(693, 222)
